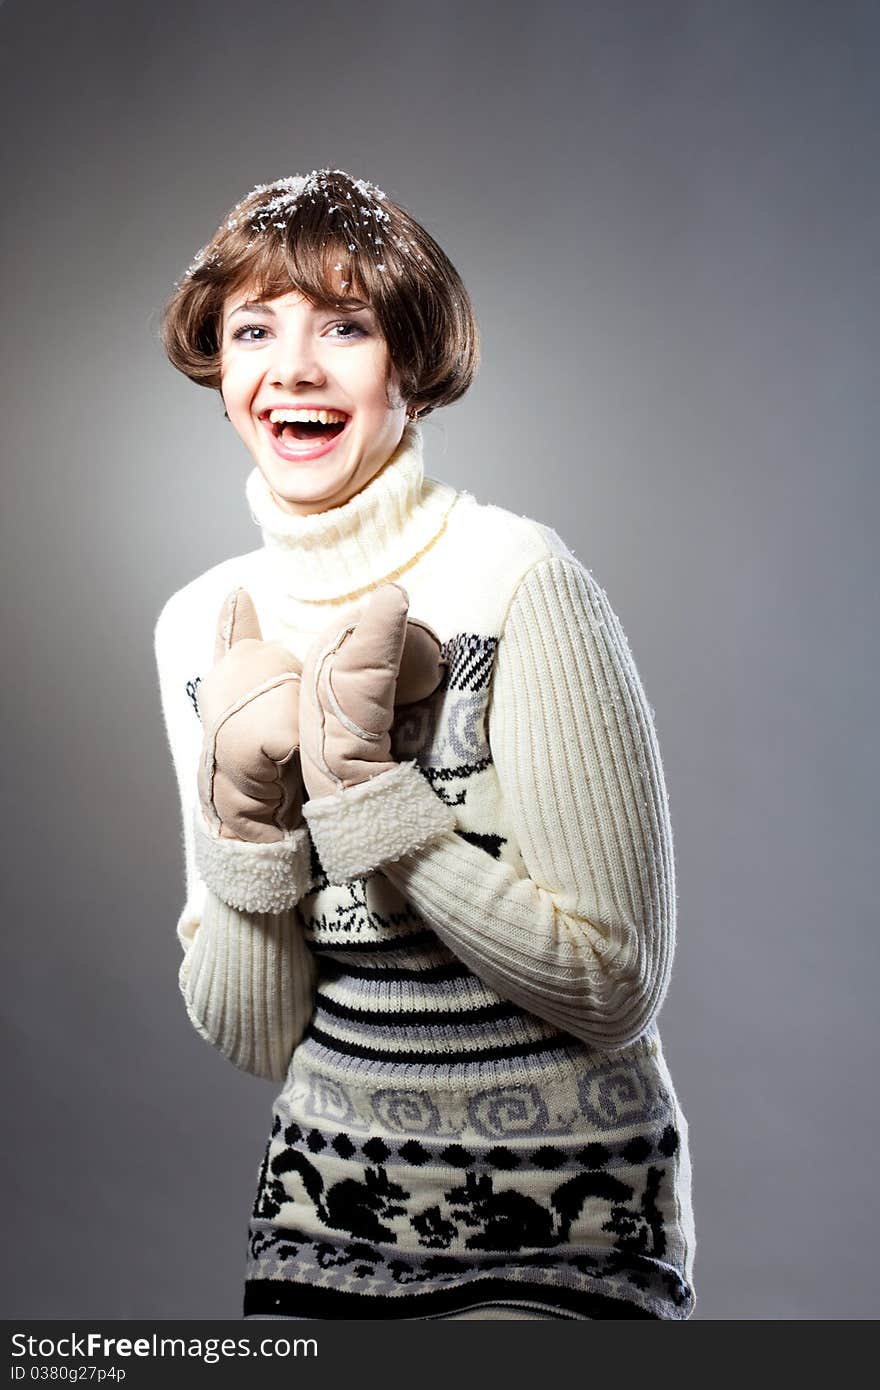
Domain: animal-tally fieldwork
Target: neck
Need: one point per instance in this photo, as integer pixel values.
(373, 537)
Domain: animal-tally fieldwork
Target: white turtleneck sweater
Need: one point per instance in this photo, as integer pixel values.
(574, 918)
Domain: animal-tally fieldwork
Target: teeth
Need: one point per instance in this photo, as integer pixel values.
(315, 417)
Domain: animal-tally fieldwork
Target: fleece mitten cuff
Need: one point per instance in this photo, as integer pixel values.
(252, 876)
(358, 829)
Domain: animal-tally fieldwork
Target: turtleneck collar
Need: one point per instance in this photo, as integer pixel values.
(371, 538)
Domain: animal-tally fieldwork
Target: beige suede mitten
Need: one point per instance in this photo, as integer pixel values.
(365, 809)
(250, 784)
(350, 687)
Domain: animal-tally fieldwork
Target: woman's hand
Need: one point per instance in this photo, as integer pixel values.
(353, 676)
(250, 783)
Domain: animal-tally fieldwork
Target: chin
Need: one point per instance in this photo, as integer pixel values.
(318, 494)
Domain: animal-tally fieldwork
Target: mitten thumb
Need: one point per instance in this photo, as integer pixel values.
(238, 619)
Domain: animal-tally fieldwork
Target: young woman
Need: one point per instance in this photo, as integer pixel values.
(430, 883)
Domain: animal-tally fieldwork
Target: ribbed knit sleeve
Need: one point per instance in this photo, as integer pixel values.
(247, 977)
(586, 939)
(248, 981)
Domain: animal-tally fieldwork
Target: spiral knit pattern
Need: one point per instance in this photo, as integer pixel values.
(476, 1116)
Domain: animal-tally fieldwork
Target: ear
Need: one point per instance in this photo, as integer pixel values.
(238, 619)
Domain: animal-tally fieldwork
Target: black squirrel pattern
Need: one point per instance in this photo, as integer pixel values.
(508, 1220)
(349, 1205)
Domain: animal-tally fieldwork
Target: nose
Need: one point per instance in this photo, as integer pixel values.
(296, 361)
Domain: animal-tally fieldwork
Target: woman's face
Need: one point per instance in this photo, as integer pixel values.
(283, 356)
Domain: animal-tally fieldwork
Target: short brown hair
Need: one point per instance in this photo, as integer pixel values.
(323, 233)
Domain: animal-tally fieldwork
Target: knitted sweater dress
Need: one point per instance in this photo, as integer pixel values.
(454, 971)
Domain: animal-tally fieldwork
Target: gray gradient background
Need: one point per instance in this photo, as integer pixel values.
(667, 214)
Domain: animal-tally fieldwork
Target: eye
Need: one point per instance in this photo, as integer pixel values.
(352, 330)
(243, 334)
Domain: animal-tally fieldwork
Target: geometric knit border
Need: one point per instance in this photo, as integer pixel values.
(414, 1153)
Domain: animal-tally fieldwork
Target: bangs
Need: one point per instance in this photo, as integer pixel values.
(315, 266)
(321, 235)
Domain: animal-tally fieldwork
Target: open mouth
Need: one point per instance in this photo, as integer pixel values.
(292, 427)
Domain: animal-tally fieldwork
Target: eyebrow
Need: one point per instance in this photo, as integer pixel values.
(250, 304)
(261, 304)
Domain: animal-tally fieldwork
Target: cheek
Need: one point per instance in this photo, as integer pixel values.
(384, 398)
(379, 379)
(234, 390)
(388, 385)
(235, 404)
